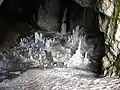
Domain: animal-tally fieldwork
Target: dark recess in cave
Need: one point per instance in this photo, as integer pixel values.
(83, 16)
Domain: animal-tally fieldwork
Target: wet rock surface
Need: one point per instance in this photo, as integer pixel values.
(60, 79)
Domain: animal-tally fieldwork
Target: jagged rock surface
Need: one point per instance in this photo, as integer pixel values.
(110, 25)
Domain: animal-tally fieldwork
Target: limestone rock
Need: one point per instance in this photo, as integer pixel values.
(109, 21)
(107, 7)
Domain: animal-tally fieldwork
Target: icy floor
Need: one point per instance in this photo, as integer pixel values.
(60, 79)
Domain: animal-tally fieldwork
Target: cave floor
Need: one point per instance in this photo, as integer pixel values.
(60, 79)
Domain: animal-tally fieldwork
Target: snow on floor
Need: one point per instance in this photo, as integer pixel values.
(60, 79)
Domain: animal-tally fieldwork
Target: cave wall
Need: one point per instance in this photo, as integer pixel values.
(109, 21)
(13, 21)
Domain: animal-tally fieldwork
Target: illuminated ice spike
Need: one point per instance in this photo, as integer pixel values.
(38, 37)
(48, 45)
(86, 59)
(77, 60)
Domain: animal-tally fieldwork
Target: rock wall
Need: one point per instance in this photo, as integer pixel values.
(109, 21)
